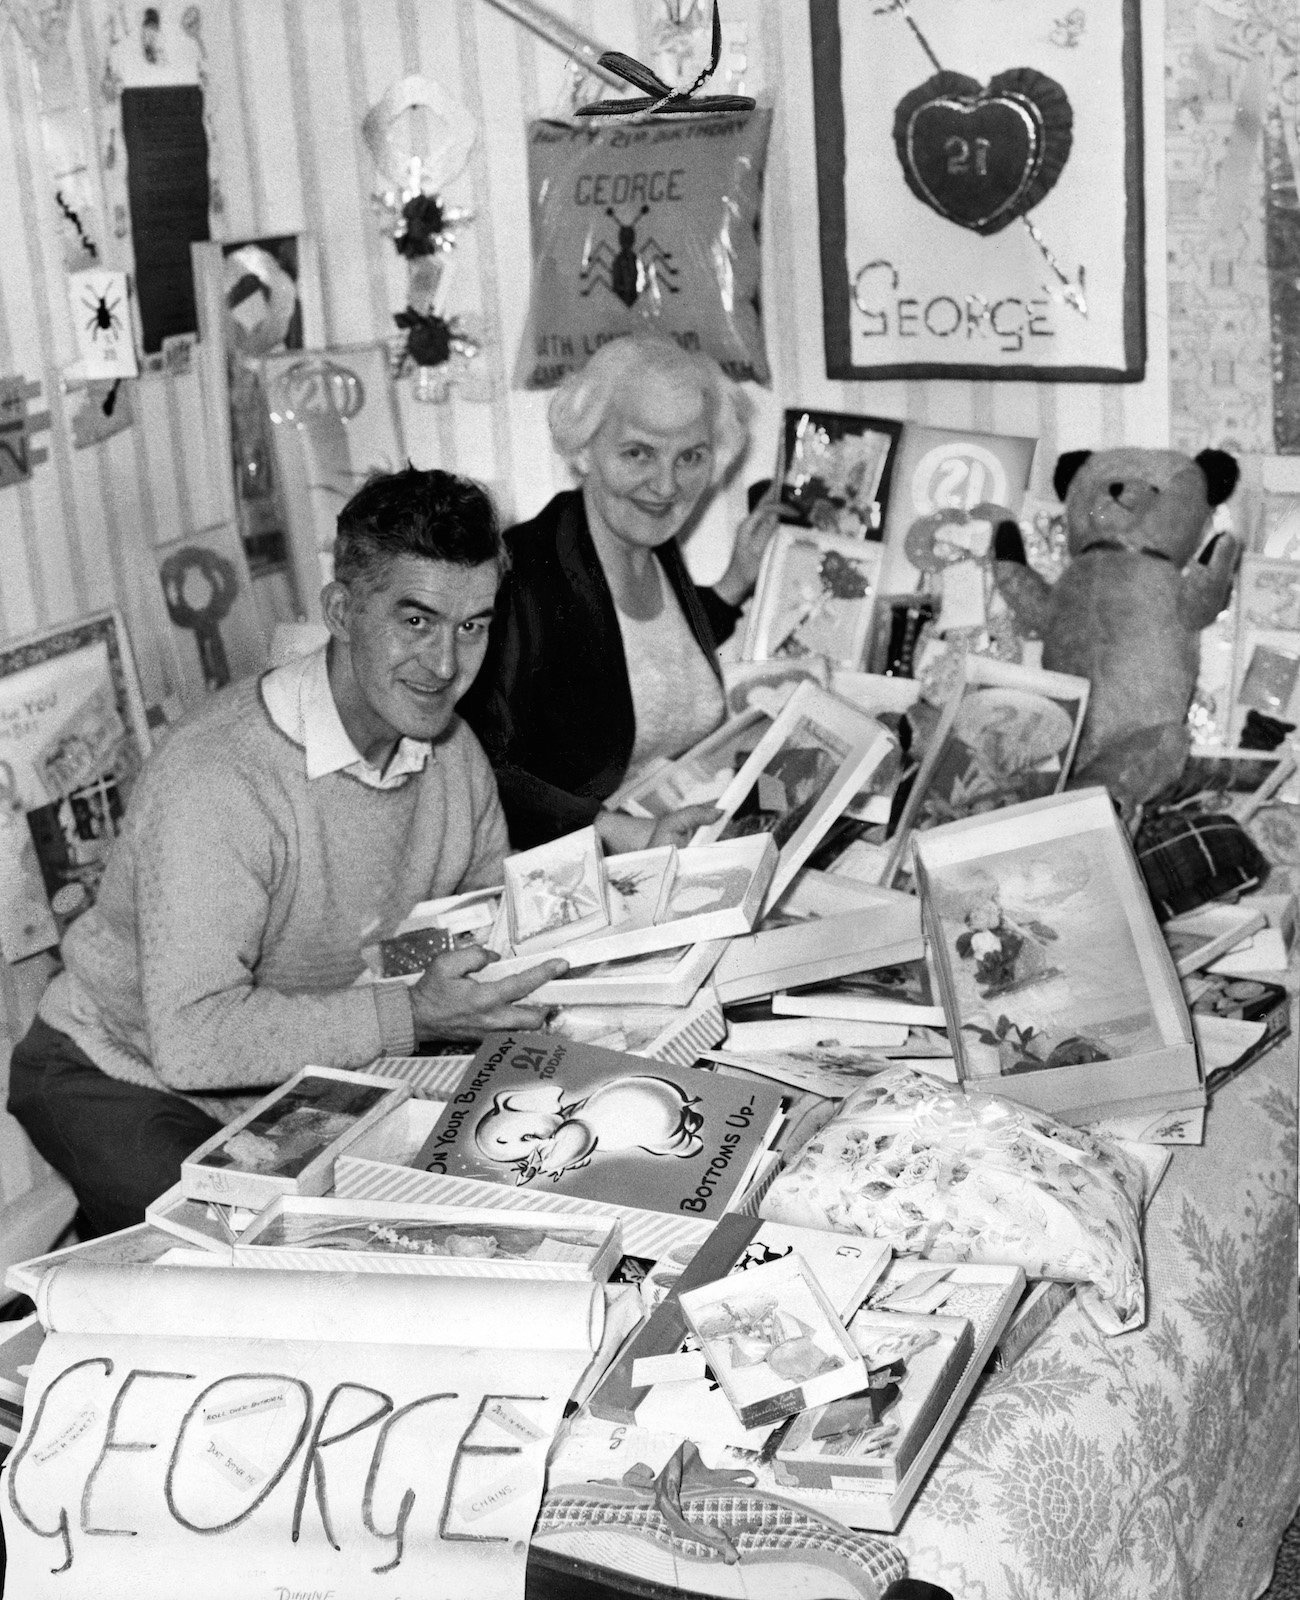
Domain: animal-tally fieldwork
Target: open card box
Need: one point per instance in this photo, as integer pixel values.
(984, 1296)
(816, 757)
(555, 893)
(677, 1034)
(377, 1167)
(1006, 735)
(814, 596)
(666, 899)
(289, 1141)
(700, 774)
(669, 978)
(1059, 989)
(824, 927)
(199, 1222)
(1198, 938)
(349, 1235)
(871, 1438)
(773, 1341)
(845, 1267)
(663, 978)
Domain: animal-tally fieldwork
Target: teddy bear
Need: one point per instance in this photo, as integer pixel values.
(1128, 610)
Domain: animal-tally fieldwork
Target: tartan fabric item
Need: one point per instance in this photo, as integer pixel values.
(761, 1527)
(1188, 858)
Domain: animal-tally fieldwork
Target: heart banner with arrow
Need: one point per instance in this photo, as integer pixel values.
(980, 184)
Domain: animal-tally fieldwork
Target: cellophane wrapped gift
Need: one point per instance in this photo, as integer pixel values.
(934, 1172)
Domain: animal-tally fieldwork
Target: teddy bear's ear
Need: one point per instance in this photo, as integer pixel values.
(1221, 474)
(1066, 468)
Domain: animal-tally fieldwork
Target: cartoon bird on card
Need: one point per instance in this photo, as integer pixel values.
(602, 1125)
(540, 1132)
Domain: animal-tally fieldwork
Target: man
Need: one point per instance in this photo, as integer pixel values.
(292, 820)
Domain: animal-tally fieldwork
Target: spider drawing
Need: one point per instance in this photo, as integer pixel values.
(103, 316)
(1069, 29)
(629, 269)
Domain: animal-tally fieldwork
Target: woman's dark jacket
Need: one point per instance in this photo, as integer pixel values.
(552, 705)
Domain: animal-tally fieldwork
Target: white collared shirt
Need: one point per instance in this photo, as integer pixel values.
(300, 702)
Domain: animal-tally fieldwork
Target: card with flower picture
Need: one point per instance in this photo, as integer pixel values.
(815, 595)
(773, 1341)
(836, 471)
(1057, 984)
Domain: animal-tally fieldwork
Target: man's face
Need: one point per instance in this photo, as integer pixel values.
(407, 648)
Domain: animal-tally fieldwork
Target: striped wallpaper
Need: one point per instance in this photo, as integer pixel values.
(289, 81)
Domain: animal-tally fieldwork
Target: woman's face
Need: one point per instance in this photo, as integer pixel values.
(649, 462)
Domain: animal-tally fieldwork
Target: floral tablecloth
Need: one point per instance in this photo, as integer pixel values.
(1162, 1464)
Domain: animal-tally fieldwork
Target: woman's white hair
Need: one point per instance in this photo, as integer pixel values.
(584, 399)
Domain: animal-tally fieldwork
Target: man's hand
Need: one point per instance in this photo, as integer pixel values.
(448, 1004)
(678, 827)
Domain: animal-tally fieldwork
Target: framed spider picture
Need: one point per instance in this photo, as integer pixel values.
(980, 188)
(101, 319)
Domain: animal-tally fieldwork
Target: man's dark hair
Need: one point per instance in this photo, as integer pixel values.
(433, 514)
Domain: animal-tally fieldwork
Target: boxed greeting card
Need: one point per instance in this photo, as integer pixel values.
(663, 899)
(773, 1341)
(288, 1142)
(822, 927)
(346, 1235)
(846, 1269)
(1005, 735)
(556, 892)
(544, 1113)
(1058, 987)
(871, 1438)
(815, 595)
(818, 754)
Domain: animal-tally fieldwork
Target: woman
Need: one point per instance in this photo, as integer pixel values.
(603, 653)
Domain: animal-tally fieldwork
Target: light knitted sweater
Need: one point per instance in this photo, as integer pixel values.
(221, 951)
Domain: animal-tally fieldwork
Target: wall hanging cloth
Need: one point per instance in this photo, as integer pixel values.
(647, 227)
(959, 1177)
(979, 174)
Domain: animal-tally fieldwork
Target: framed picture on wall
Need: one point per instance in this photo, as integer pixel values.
(980, 185)
(73, 737)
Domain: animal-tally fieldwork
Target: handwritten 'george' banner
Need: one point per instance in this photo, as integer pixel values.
(187, 1430)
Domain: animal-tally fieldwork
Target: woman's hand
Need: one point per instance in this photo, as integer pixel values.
(448, 1004)
(619, 833)
(752, 539)
(678, 827)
